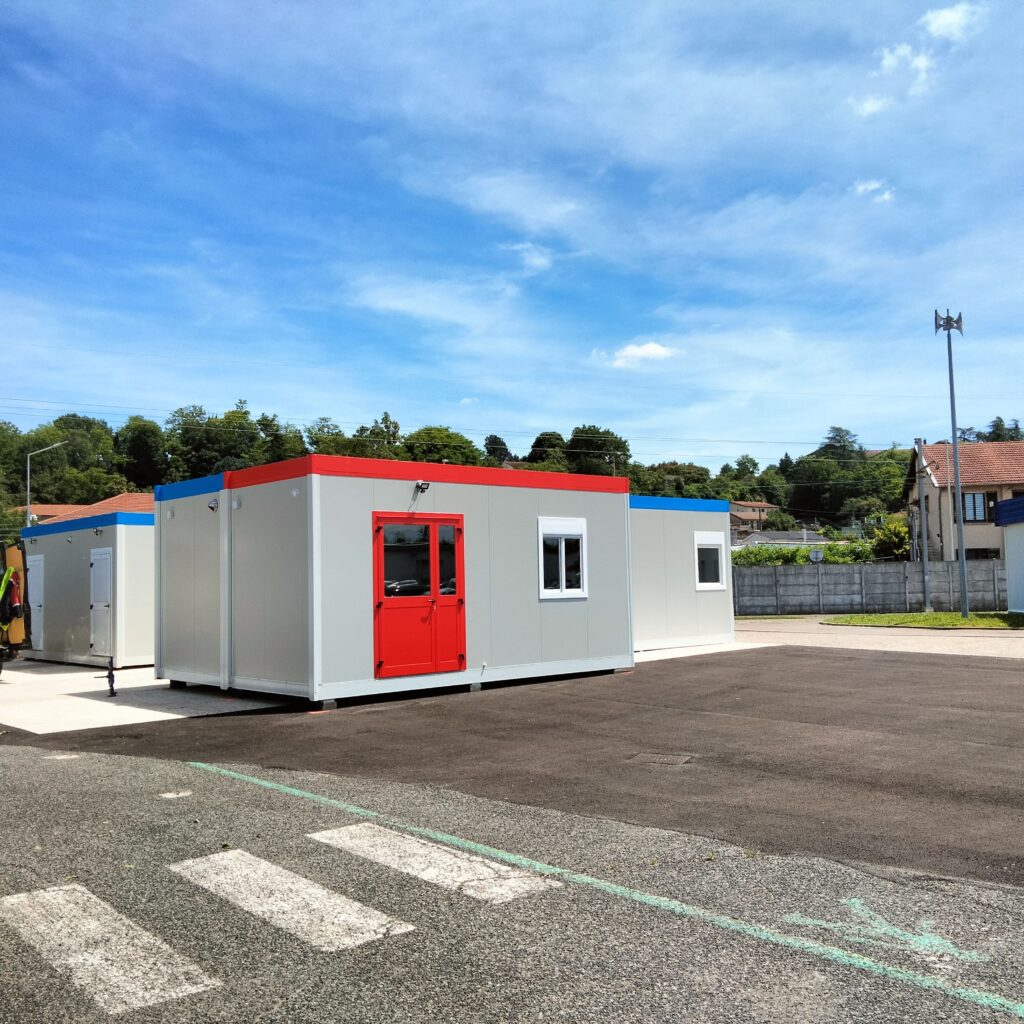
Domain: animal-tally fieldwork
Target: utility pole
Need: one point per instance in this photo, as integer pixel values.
(949, 324)
(922, 504)
(28, 479)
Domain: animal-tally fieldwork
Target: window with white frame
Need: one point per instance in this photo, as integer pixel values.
(709, 556)
(562, 557)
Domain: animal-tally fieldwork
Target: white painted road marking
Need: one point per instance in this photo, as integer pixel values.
(118, 964)
(60, 757)
(288, 901)
(453, 869)
(176, 796)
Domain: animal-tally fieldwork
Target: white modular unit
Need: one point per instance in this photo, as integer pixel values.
(328, 577)
(90, 591)
(1010, 515)
(681, 572)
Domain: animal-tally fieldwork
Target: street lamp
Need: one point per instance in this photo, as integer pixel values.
(28, 479)
(949, 324)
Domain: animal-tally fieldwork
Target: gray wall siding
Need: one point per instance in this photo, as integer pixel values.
(134, 612)
(1015, 566)
(270, 584)
(507, 625)
(190, 589)
(668, 609)
(868, 587)
(66, 578)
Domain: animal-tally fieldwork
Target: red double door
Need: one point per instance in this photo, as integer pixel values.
(419, 594)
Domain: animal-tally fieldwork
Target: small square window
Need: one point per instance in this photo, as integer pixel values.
(709, 558)
(563, 557)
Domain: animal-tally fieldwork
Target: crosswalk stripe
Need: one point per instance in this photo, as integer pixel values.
(466, 873)
(118, 964)
(318, 916)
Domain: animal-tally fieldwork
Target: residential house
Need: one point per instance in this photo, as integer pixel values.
(783, 538)
(129, 501)
(747, 516)
(990, 471)
(44, 513)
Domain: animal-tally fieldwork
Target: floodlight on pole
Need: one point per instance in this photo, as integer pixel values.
(28, 479)
(949, 324)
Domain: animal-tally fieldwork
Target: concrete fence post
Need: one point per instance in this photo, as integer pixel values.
(863, 588)
(949, 581)
(778, 603)
(821, 599)
(995, 585)
(906, 584)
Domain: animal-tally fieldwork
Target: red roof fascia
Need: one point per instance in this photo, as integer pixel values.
(438, 473)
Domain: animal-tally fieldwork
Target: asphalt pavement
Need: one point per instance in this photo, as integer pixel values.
(137, 889)
(912, 761)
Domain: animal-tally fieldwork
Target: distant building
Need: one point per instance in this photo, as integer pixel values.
(44, 513)
(990, 471)
(747, 516)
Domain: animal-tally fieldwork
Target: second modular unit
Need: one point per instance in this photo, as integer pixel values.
(681, 572)
(328, 576)
(90, 589)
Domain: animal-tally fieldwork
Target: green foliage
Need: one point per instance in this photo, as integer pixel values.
(140, 452)
(442, 444)
(771, 554)
(496, 449)
(892, 539)
(779, 520)
(593, 449)
(548, 446)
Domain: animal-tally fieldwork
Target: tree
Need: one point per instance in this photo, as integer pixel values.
(325, 437)
(442, 444)
(786, 465)
(382, 440)
(496, 448)
(779, 520)
(892, 539)
(773, 486)
(140, 452)
(548, 446)
(746, 466)
(593, 449)
(868, 507)
(277, 441)
(840, 444)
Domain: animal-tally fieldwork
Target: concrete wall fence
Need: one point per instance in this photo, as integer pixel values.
(867, 587)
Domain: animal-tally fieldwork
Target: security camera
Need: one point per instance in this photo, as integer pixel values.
(213, 504)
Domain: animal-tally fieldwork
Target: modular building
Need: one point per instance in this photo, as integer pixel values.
(681, 572)
(1010, 515)
(326, 577)
(89, 589)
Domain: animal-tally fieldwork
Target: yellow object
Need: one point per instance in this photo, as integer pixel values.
(16, 561)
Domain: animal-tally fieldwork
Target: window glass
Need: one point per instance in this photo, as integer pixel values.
(573, 563)
(709, 569)
(406, 561)
(446, 560)
(552, 566)
(974, 507)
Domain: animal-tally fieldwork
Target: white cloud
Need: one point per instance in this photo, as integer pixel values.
(468, 401)
(903, 57)
(535, 258)
(867, 106)
(631, 355)
(955, 23)
(521, 198)
(877, 190)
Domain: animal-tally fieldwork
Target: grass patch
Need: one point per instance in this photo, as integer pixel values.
(933, 620)
(756, 618)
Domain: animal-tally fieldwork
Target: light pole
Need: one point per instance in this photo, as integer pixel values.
(28, 479)
(949, 324)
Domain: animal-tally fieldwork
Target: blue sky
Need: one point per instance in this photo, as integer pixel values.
(714, 228)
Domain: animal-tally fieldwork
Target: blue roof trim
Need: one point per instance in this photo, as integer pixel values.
(189, 488)
(91, 523)
(1009, 512)
(678, 504)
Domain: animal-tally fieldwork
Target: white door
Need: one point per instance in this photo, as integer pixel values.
(99, 601)
(34, 580)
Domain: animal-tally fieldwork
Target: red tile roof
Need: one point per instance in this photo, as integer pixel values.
(981, 462)
(755, 504)
(51, 511)
(127, 502)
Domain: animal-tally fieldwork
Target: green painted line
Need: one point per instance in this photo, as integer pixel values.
(976, 997)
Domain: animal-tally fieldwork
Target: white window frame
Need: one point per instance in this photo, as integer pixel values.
(709, 539)
(562, 528)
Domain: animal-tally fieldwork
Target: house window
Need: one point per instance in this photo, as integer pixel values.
(976, 505)
(562, 550)
(709, 556)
